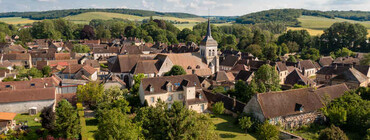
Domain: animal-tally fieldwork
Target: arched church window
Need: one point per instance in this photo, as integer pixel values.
(210, 53)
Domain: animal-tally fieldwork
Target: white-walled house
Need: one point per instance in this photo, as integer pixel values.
(183, 88)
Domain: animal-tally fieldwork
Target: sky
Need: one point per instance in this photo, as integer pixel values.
(198, 7)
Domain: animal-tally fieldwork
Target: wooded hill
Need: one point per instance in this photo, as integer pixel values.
(290, 16)
(63, 13)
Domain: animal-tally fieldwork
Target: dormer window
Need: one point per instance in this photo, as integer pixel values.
(32, 84)
(198, 67)
(169, 88)
(7, 86)
(299, 107)
(189, 67)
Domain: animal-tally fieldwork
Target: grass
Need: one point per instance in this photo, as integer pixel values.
(16, 20)
(227, 129)
(32, 124)
(312, 131)
(91, 127)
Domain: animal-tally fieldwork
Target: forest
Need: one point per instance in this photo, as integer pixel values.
(54, 14)
(289, 16)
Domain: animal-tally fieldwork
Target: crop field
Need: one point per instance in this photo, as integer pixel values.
(16, 20)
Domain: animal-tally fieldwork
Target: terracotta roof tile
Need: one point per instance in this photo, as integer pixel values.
(7, 116)
(159, 83)
(24, 95)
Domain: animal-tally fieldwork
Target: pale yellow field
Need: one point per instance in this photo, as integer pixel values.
(16, 20)
(315, 32)
(312, 22)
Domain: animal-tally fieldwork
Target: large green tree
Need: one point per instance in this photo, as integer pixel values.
(67, 121)
(267, 79)
(91, 93)
(175, 70)
(267, 131)
(332, 133)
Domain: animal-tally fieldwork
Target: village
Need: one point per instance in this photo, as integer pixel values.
(90, 87)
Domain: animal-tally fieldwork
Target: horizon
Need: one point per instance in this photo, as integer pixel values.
(196, 7)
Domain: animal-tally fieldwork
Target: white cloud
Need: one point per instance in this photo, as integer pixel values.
(46, 0)
(209, 2)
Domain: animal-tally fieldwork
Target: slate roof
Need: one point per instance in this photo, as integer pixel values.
(186, 61)
(281, 66)
(351, 75)
(332, 70)
(306, 64)
(223, 76)
(326, 61)
(24, 95)
(106, 50)
(295, 77)
(346, 60)
(244, 75)
(92, 63)
(130, 49)
(284, 103)
(62, 56)
(17, 56)
(159, 83)
(145, 66)
(230, 61)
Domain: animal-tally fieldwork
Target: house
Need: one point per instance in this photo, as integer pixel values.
(130, 49)
(307, 68)
(4, 73)
(324, 75)
(93, 63)
(6, 64)
(238, 67)
(146, 67)
(245, 76)
(132, 41)
(224, 79)
(183, 88)
(105, 52)
(10, 48)
(293, 108)
(113, 81)
(7, 122)
(295, 77)
(78, 71)
(282, 70)
(19, 59)
(352, 78)
(229, 62)
(325, 61)
(346, 61)
(21, 100)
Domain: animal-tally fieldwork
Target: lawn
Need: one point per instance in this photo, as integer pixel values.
(227, 129)
(91, 127)
(32, 124)
(16, 20)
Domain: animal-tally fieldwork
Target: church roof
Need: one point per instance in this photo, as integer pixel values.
(208, 39)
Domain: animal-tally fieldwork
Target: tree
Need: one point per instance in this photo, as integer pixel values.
(311, 53)
(115, 125)
(337, 115)
(292, 59)
(102, 32)
(175, 70)
(48, 118)
(46, 70)
(218, 89)
(283, 49)
(332, 133)
(267, 79)
(267, 131)
(91, 93)
(245, 123)
(114, 93)
(87, 33)
(255, 50)
(270, 51)
(300, 37)
(35, 73)
(137, 81)
(298, 86)
(45, 30)
(80, 48)
(177, 122)
(344, 52)
(292, 46)
(25, 35)
(183, 34)
(366, 60)
(218, 108)
(228, 42)
(67, 121)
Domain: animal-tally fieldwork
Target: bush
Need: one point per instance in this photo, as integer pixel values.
(245, 123)
(84, 132)
(218, 108)
(332, 133)
(267, 131)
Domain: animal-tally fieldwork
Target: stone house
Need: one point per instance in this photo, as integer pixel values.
(105, 53)
(19, 59)
(282, 70)
(352, 78)
(229, 62)
(21, 100)
(307, 68)
(295, 77)
(325, 61)
(293, 108)
(182, 88)
(78, 71)
(224, 79)
(7, 122)
(246, 76)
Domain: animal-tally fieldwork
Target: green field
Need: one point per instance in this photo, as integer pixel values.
(228, 130)
(316, 25)
(16, 20)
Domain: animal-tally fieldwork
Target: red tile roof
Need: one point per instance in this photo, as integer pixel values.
(24, 95)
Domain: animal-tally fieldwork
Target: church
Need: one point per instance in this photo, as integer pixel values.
(208, 50)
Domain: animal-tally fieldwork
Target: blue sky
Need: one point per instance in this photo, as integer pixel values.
(198, 7)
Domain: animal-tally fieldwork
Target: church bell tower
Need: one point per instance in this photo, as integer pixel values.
(208, 50)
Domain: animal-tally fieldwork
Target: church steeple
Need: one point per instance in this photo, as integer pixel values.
(209, 34)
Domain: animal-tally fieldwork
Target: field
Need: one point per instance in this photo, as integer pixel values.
(32, 124)
(316, 25)
(16, 20)
(228, 130)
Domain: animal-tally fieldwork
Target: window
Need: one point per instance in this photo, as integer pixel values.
(7, 86)
(209, 53)
(202, 107)
(169, 88)
(213, 52)
(200, 96)
(170, 97)
(152, 99)
(32, 84)
(181, 96)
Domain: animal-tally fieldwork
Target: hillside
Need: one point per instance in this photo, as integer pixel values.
(290, 16)
(69, 12)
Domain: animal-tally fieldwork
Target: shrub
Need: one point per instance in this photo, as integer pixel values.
(218, 108)
(332, 133)
(267, 131)
(245, 123)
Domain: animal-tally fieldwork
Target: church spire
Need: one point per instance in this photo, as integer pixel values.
(209, 34)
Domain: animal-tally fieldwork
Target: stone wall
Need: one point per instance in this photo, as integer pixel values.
(294, 121)
(22, 107)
